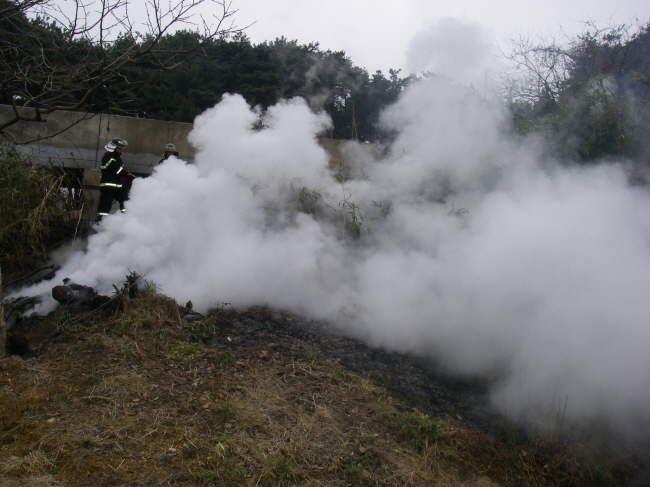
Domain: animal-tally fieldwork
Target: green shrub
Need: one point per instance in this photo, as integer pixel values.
(224, 359)
(228, 408)
(204, 328)
(419, 431)
(354, 472)
(66, 324)
(188, 349)
(281, 471)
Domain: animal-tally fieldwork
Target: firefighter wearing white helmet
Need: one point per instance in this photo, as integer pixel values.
(113, 176)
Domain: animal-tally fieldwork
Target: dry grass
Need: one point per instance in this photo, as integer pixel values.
(36, 202)
(133, 399)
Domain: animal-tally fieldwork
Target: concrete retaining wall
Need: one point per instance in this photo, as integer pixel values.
(82, 144)
(79, 140)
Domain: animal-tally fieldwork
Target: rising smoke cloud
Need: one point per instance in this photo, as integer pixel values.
(451, 47)
(481, 255)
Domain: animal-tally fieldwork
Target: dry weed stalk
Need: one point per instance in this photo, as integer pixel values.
(35, 201)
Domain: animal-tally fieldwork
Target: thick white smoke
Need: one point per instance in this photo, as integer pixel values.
(480, 255)
(454, 48)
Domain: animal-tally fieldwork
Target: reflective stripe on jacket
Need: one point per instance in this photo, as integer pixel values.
(112, 169)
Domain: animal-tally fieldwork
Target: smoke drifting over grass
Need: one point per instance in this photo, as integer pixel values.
(480, 254)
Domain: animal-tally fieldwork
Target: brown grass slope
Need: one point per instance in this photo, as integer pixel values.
(135, 398)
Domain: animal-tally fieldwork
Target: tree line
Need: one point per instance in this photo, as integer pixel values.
(168, 74)
(588, 94)
(263, 74)
(67, 56)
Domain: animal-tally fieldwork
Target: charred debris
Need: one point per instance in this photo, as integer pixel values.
(75, 300)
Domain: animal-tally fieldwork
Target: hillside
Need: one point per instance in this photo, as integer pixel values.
(135, 393)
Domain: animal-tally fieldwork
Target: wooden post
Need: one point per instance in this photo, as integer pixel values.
(3, 324)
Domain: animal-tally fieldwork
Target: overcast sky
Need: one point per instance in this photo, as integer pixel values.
(377, 34)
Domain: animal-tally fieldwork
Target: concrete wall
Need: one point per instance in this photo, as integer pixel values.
(79, 140)
(83, 137)
(82, 144)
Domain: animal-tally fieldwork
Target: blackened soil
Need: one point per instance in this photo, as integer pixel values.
(415, 382)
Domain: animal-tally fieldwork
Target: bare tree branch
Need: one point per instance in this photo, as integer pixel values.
(56, 57)
(544, 65)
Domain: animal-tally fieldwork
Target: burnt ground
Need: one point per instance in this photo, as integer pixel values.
(416, 382)
(419, 384)
(261, 333)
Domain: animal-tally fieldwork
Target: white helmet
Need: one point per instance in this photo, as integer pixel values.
(115, 143)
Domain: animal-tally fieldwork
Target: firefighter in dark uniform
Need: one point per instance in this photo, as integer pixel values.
(170, 150)
(113, 176)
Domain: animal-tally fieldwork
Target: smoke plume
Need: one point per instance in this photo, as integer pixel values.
(453, 48)
(459, 243)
